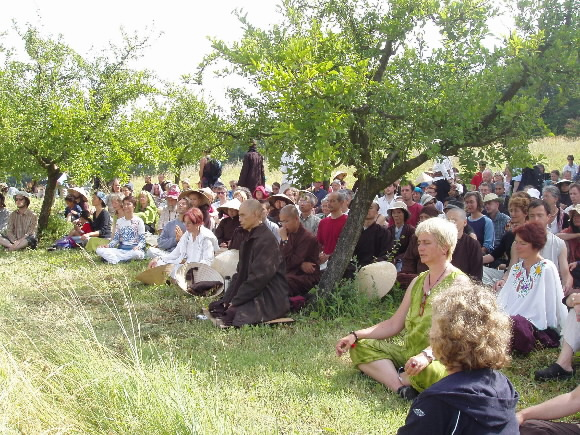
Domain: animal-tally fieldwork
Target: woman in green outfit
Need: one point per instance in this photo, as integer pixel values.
(410, 368)
(147, 210)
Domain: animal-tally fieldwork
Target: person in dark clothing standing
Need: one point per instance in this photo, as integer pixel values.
(470, 336)
(252, 174)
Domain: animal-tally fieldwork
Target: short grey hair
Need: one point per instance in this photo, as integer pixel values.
(552, 190)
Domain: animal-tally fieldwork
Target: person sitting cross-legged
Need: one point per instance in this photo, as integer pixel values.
(22, 225)
(409, 368)
(470, 336)
(258, 291)
(172, 231)
(128, 242)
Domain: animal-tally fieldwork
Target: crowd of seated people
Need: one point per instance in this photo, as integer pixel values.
(518, 235)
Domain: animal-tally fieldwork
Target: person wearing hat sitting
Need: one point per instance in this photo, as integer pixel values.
(307, 202)
(258, 291)
(202, 199)
(128, 242)
(564, 186)
(300, 250)
(168, 213)
(80, 197)
(227, 226)
(22, 225)
(276, 203)
(500, 220)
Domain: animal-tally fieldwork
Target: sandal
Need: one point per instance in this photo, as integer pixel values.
(554, 371)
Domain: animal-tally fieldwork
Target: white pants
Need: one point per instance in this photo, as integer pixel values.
(114, 255)
(571, 331)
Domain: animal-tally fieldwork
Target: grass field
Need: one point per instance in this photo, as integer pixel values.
(86, 349)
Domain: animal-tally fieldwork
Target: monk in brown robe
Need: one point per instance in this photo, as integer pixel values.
(258, 291)
(300, 250)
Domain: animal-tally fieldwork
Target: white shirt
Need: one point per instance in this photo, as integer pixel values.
(537, 296)
(573, 170)
(553, 248)
(198, 250)
(385, 204)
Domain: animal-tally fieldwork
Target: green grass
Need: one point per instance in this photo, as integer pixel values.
(86, 349)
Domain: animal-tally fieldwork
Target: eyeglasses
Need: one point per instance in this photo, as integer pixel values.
(221, 193)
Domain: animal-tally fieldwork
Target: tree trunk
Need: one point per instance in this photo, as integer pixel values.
(349, 236)
(177, 175)
(53, 175)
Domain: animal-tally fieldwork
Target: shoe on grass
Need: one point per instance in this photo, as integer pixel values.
(407, 392)
(554, 371)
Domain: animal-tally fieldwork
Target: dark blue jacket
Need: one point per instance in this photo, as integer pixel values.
(478, 402)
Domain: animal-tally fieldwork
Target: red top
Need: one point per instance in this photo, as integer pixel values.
(573, 247)
(477, 180)
(329, 230)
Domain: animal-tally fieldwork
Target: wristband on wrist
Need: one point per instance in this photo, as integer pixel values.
(355, 336)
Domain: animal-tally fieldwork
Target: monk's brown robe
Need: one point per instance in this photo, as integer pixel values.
(301, 247)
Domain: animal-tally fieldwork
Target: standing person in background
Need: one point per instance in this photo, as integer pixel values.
(252, 174)
(148, 185)
(570, 166)
(210, 170)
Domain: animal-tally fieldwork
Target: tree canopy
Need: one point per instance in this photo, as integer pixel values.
(384, 86)
(61, 112)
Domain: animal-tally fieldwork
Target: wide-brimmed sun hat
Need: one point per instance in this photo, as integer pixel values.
(232, 203)
(280, 197)
(376, 279)
(339, 175)
(80, 191)
(206, 278)
(400, 205)
(226, 263)
(156, 275)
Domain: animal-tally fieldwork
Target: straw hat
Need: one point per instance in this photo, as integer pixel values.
(376, 279)
(280, 197)
(156, 275)
(564, 181)
(80, 191)
(232, 203)
(185, 194)
(202, 273)
(205, 195)
(226, 263)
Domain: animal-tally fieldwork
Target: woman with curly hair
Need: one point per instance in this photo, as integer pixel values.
(470, 336)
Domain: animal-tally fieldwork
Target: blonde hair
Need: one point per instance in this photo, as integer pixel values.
(470, 330)
(445, 233)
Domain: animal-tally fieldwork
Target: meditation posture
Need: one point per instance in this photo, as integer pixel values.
(172, 231)
(533, 293)
(258, 291)
(128, 242)
(399, 233)
(197, 245)
(470, 337)
(411, 367)
(307, 203)
(22, 225)
(227, 226)
(299, 249)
